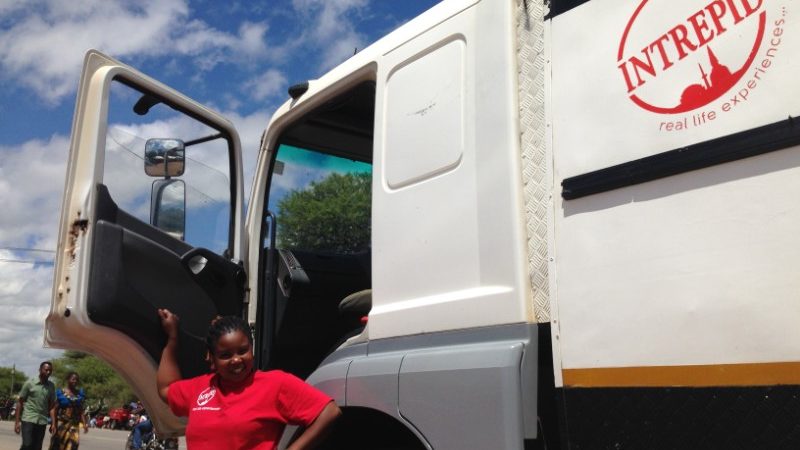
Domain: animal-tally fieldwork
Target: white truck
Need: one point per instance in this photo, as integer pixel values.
(507, 224)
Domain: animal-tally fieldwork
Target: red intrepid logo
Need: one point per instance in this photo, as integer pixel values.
(674, 73)
(206, 396)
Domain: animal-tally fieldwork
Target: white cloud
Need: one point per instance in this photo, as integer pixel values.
(25, 296)
(43, 49)
(269, 84)
(333, 30)
(31, 183)
(31, 186)
(210, 47)
(251, 38)
(342, 49)
(8, 6)
(250, 129)
(332, 17)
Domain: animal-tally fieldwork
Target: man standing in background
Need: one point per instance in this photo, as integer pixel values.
(37, 401)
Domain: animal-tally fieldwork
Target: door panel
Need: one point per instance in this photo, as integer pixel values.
(137, 269)
(448, 180)
(115, 269)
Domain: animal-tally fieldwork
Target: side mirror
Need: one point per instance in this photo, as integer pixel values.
(164, 157)
(168, 207)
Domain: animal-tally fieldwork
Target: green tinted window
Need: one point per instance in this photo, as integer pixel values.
(321, 202)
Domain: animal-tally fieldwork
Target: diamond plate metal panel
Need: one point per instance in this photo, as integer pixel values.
(530, 63)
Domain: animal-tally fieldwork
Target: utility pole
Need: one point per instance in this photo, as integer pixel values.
(11, 388)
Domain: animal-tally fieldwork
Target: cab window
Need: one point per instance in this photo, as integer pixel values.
(196, 207)
(321, 202)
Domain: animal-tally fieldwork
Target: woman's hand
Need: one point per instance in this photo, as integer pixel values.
(169, 322)
(319, 429)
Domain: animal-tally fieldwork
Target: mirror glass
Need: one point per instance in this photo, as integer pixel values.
(168, 207)
(164, 157)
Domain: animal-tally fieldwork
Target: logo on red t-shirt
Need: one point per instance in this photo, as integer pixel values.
(206, 395)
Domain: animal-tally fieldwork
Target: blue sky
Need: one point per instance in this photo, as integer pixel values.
(237, 57)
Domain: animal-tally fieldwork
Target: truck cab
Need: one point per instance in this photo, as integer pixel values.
(507, 224)
(384, 221)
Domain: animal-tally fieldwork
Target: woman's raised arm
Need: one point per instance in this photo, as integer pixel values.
(168, 370)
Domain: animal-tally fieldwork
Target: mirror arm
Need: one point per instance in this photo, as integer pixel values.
(202, 139)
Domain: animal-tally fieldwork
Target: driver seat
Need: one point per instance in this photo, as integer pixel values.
(354, 312)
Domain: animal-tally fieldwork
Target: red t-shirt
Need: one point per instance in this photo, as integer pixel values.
(251, 415)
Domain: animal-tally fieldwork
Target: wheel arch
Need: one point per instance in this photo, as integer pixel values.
(362, 428)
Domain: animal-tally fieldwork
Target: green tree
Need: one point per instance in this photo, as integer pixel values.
(329, 215)
(6, 390)
(104, 388)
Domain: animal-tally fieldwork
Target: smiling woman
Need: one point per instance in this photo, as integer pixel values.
(258, 405)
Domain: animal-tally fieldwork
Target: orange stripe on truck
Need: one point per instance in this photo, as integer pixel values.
(754, 374)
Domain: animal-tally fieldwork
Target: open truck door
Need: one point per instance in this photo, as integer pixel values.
(151, 218)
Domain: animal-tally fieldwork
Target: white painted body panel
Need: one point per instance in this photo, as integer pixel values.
(687, 270)
(698, 268)
(456, 261)
(446, 169)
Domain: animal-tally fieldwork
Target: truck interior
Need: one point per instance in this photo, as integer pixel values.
(316, 234)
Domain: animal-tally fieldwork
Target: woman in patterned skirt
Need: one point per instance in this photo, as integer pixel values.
(69, 415)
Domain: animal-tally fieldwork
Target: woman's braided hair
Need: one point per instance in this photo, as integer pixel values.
(221, 326)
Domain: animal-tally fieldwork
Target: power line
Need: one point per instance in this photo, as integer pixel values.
(25, 249)
(26, 261)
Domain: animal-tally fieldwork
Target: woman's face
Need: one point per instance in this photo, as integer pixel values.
(233, 356)
(72, 381)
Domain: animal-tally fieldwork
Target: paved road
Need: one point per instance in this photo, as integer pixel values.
(93, 440)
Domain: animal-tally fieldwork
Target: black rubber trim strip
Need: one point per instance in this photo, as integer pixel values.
(560, 6)
(753, 142)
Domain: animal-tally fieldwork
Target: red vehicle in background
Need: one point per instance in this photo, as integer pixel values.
(118, 418)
